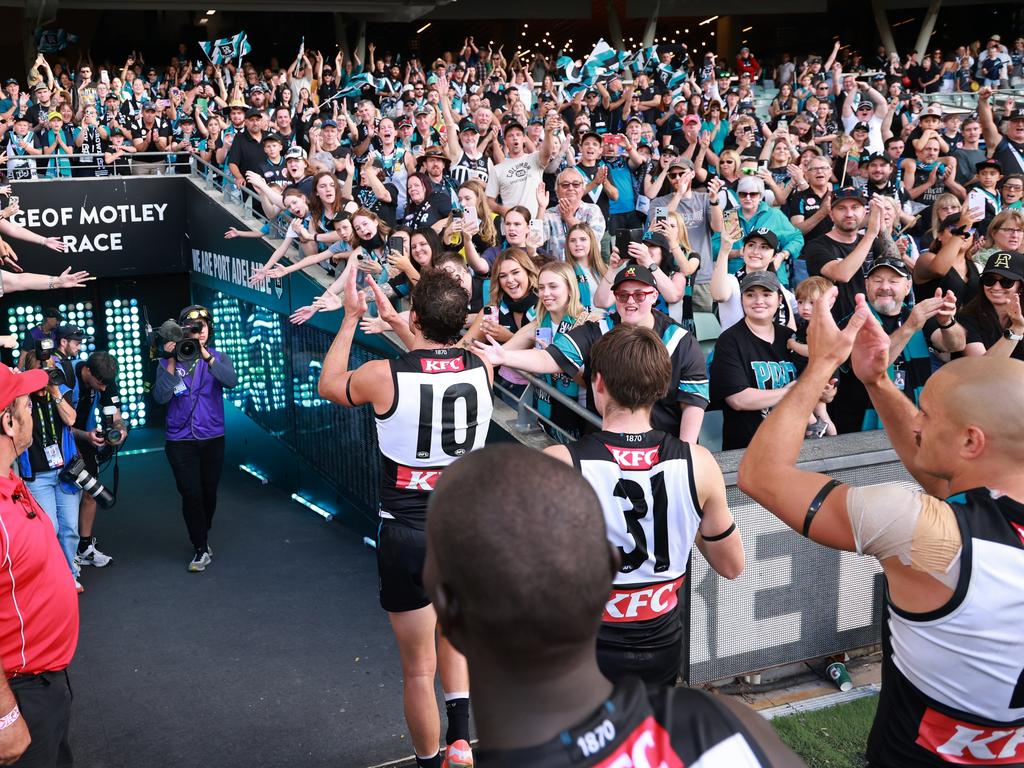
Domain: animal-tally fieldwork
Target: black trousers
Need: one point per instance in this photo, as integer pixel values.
(197, 466)
(657, 668)
(45, 703)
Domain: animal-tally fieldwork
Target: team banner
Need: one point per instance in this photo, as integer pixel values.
(603, 62)
(226, 48)
(115, 227)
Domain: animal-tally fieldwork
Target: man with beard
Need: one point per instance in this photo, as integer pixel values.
(931, 321)
(878, 170)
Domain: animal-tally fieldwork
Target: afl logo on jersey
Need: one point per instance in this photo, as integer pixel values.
(443, 366)
(634, 458)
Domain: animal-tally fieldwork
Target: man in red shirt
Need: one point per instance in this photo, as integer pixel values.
(38, 603)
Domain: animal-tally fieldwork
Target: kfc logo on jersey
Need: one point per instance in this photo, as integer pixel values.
(443, 366)
(961, 743)
(410, 479)
(648, 746)
(634, 458)
(641, 604)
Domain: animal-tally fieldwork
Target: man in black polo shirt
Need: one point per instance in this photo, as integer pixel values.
(246, 153)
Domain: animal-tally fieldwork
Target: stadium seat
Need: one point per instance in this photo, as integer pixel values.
(706, 329)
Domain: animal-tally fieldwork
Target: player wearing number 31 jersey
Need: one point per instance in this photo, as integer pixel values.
(657, 493)
(432, 405)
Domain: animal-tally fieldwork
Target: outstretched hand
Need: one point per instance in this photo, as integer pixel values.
(826, 342)
(870, 353)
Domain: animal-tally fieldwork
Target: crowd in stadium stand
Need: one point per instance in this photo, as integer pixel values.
(741, 192)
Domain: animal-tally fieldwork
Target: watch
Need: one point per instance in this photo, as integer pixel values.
(654, 268)
(1009, 334)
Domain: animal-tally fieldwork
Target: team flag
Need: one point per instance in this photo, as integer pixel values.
(226, 48)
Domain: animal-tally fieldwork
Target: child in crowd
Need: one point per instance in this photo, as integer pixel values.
(807, 293)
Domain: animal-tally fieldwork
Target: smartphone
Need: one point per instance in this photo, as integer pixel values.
(544, 337)
(104, 76)
(491, 313)
(623, 237)
(202, 104)
(660, 214)
(396, 243)
(729, 219)
(457, 220)
(13, 200)
(537, 228)
(469, 216)
(783, 124)
(975, 201)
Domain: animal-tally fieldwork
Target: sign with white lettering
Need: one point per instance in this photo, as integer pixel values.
(111, 227)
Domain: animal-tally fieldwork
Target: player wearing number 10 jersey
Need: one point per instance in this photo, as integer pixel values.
(432, 405)
(657, 493)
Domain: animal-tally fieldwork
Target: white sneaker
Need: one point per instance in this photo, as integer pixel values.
(199, 562)
(93, 556)
(78, 587)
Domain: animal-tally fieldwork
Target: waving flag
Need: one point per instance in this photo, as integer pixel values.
(226, 48)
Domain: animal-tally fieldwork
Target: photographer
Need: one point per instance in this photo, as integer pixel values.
(193, 389)
(53, 445)
(45, 330)
(69, 346)
(95, 384)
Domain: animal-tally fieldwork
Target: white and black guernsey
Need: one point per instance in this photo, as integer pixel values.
(953, 679)
(468, 168)
(668, 728)
(651, 511)
(441, 411)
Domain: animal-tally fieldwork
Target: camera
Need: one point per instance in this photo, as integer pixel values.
(185, 349)
(76, 472)
(44, 354)
(109, 428)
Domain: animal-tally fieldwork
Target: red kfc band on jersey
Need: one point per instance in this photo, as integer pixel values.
(641, 604)
(1020, 531)
(648, 746)
(961, 743)
(412, 479)
(634, 458)
(442, 366)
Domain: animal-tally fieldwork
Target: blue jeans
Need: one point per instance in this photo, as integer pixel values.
(62, 509)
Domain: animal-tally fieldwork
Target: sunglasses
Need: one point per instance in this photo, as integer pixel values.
(637, 297)
(676, 174)
(748, 194)
(991, 279)
(198, 314)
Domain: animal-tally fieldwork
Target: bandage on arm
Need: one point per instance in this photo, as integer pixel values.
(892, 520)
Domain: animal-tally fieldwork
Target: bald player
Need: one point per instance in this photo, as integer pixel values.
(953, 554)
(526, 617)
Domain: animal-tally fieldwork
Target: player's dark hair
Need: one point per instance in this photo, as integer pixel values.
(634, 366)
(103, 366)
(440, 304)
(527, 562)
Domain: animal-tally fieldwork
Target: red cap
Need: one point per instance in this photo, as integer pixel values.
(691, 119)
(14, 384)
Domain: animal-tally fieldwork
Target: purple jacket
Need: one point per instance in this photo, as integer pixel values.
(195, 396)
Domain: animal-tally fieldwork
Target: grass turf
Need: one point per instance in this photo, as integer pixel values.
(830, 738)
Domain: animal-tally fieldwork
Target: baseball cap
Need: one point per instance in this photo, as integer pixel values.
(591, 135)
(657, 239)
(40, 87)
(1016, 114)
(988, 163)
(72, 332)
(328, 124)
(253, 113)
(421, 112)
(186, 119)
(634, 273)
(53, 312)
(868, 159)
(691, 119)
(933, 110)
(10, 81)
(54, 116)
(896, 265)
(1007, 263)
(467, 125)
(761, 279)
(682, 162)
(514, 125)
(272, 137)
(295, 151)
(866, 103)
(848, 193)
(149, 106)
(765, 234)
(14, 384)
(860, 127)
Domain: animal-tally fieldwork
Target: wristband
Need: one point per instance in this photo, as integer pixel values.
(951, 323)
(10, 718)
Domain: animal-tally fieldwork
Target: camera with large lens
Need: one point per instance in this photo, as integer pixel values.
(185, 349)
(44, 354)
(76, 472)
